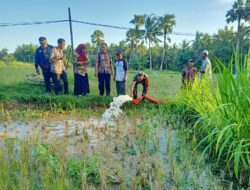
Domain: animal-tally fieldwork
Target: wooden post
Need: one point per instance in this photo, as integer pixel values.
(71, 36)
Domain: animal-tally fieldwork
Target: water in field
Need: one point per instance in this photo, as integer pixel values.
(132, 148)
(135, 145)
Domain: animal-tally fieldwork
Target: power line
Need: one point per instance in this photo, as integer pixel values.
(126, 28)
(31, 23)
(82, 22)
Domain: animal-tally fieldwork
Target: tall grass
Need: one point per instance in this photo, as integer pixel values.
(223, 125)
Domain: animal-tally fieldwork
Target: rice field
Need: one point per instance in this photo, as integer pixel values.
(198, 140)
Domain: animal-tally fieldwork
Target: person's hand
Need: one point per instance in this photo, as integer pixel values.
(37, 71)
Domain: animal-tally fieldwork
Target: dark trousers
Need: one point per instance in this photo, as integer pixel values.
(56, 78)
(136, 89)
(120, 87)
(81, 85)
(104, 82)
(47, 76)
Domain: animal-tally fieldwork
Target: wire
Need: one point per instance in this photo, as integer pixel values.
(103, 25)
(31, 23)
(82, 22)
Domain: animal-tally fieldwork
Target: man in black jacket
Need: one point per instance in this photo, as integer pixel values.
(42, 60)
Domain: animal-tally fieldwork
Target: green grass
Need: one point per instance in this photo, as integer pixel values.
(223, 119)
(14, 87)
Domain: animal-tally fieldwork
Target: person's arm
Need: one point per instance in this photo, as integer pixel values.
(183, 76)
(132, 88)
(111, 67)
(203, 68)
(37, 61)
(96, 64)
(114, 72)
(126, 71)
(147, 90)
(54, 57)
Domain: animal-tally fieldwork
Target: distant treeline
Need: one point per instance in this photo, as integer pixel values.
(148, 44)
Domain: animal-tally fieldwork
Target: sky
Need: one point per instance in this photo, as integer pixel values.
(191, 16)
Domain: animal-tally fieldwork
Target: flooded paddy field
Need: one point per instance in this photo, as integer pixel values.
(135, 153)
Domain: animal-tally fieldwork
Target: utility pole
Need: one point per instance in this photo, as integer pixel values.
(71, 36)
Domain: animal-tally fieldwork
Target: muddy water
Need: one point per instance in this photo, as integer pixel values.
(129, 147)
(87, 137)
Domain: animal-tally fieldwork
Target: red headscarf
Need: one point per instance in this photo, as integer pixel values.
(81, 55)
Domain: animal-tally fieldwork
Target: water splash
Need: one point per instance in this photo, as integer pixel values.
(114, 111)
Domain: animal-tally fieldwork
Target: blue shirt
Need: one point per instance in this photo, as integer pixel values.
(42, 57)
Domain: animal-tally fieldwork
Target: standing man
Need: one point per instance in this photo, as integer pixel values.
(57, 67)
(206, 67)
(103, 70)
(42, 60)
(120, 74)
(140, 78)
(188, 74)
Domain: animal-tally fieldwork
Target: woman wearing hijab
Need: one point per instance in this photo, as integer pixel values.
(80, 69)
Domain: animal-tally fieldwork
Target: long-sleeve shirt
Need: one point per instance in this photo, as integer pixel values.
(42, 57)
(56, 57)
(206, 69)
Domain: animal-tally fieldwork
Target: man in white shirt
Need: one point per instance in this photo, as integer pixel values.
(206, 66)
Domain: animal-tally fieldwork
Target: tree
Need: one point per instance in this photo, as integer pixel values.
(240, 11)
(152, 31)
(97, 39)
(134, 37)
(3, 53)
(25, 53)
(167, 22)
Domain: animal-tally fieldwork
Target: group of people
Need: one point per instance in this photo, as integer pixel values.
(50, 60)
(189, 73)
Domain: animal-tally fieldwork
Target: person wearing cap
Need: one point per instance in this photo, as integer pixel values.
(42, 60)
(140, 78)
(103, 70)
(120, 74)
(206, 66)
(58, 70)
(81, 84)
(188, 74)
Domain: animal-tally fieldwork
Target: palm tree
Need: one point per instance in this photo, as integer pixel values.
(167, 22)
(152, 31)
(240, 11)
(97, 38)
(137, 33)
